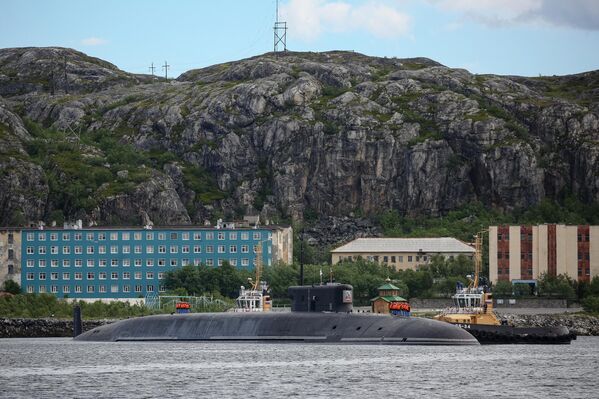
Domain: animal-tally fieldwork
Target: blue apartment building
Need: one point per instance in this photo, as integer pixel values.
(124, 263)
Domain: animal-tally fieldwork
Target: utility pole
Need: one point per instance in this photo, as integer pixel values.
(152, 67)
(280, 31)
(166, 67)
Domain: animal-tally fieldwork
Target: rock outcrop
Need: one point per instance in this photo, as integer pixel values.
(287, 135)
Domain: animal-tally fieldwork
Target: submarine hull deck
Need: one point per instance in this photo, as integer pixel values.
(339, 328)
(503, 334)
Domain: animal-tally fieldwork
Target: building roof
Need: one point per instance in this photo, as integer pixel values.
(427, 245)
(390, 298)
(387, 286)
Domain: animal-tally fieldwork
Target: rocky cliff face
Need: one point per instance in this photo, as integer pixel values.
(286, 135)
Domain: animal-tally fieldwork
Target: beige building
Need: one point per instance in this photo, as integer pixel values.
(10, 255)
(401, 253)
(282, 244)
(526, 252)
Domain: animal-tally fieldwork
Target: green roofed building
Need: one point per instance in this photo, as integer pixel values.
(388, 295)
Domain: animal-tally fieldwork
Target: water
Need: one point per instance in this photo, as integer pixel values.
(62, 368)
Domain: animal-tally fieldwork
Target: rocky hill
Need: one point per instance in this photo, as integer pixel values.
(287, 135)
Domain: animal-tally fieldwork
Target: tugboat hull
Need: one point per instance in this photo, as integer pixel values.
(339, 328)
(503, 334)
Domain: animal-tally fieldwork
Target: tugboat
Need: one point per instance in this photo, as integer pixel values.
(473, 311)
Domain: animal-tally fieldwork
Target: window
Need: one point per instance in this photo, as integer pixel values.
(78, 275)
(53, 276)
(30, 276)
(53, 236)
(245, 249)
(30, 289)
(29, 250)
(90, 250)
(42, 263)
(41, 237)
(210, 236)
(149, 275)
(102, 288)
(392, 258)
(114, 276)
(125, 236)
(126, 288)
(78, 262)
(161, 236)
(126, 249)
(185, 249)
(160, 276)
(41, 276)
(41, 250)
(66, 289)
(197, 236)
(138, 288)
(233, 262)
(66, 276)
(66, 236)
(91, 275)
(209, 262)
(185, 236)
(126, 262)
(221, 235)
(185, 261)
(78, 289)
(149, 262)
(90, 263)
(30, 236)
(409, 258)
(149, 249)
(221, 249)
(54, 289)
(114, 262)
(89, 236)
(114, 236)
(197, 249)
(173, 262)
(42, 289)
(114, 288)
(197, 262)
(91, 289)
(54, 263)
(137, 262)
(66, 250)
(174, 249)
(137, 249)
(385, 259)
(126, 275)
(161, 262)
(232, 235)
(220, 262)
(256, 235)
(137, 275)
(102, 236)
(114, 249)
(30, 263)
(162, 288)
(162, 249)
(174, 236)
(209, 249)
(233, 249)
(78, 250)
(149, 236)
(78, 236)
(245, 262)
(137, 236)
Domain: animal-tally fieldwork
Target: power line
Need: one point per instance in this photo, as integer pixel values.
(152, 67)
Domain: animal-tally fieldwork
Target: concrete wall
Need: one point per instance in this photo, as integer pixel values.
(515, 272)
(493, 253)
(282, 245)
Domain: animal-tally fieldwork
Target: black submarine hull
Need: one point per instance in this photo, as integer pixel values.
(505, 334)
(308, 327)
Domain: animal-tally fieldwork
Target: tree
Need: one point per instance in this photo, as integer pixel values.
(12, 287)
(503, 288)
(560, 286)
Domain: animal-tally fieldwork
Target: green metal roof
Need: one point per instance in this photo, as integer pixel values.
(388, 286)
(390, 298)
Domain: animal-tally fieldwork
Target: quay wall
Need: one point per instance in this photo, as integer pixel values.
(35, 328)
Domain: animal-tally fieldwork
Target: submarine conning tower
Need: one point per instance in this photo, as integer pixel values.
(331, 297)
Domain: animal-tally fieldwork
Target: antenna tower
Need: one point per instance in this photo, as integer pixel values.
(166, 67)
(280, 30)
(151, 68)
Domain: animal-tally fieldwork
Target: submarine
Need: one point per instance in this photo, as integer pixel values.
(319, 314)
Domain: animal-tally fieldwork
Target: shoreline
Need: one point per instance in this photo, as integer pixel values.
(579, 323)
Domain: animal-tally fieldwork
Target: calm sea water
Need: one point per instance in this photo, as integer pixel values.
(61, 368)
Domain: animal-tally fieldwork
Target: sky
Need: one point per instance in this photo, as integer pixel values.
(508, 37)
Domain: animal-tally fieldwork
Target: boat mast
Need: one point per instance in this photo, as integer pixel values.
(258, 267)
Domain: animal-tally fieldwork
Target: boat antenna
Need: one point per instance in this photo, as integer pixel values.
(478, 247)
(258, 267)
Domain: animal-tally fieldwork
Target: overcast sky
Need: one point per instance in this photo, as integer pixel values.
(520, 37)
